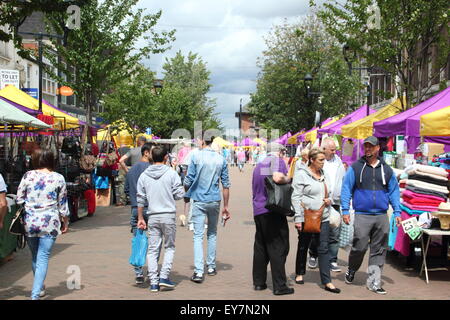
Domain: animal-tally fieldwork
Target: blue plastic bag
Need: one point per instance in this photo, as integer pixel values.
(139, 246)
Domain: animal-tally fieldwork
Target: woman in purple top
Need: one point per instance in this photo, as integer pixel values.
(44, 195)
(272, 232)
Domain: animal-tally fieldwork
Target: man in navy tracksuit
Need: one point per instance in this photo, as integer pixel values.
(372, 184)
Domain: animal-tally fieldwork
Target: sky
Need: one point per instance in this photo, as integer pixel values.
(229, 37)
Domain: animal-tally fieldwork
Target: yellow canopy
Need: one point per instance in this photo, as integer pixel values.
(219, 141)
(312, 135)
(293, 139)
(363, 128)
(123, 137)
(260, 141)
(436, 123)
(62, 120)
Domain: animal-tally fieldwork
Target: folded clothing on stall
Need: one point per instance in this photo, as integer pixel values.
(433, 180)
(414, 169)
(424, 185)
(419, 208)
(411, 211)
(419, 197)
(427, 192)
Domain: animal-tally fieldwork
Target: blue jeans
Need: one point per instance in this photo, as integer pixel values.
(201, 211)
(138, 271)
(41, 248)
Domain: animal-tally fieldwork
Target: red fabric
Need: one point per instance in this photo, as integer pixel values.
(89, 195)
(390, 144)
(95, 149)
(421, 201)
(402, 242)
(48, 120)
(410, 194)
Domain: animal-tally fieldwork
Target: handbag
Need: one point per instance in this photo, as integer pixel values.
(71, 146)
(111, 159)
(17, 227)
(279, 197)
(87, 163)
(313, 218)
(139, 246)
(335, 218)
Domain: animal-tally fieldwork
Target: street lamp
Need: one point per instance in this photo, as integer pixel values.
(308, 83)
(158, 86)
(350, 56)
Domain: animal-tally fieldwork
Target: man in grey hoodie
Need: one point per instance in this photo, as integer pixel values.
(159, 186)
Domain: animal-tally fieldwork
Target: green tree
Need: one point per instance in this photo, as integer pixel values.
(104, 50)
(191, 75)
(294, 50)
(397, 36)
(132, 104)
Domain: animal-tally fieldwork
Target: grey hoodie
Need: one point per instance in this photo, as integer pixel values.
(308, 190)
(159, 186)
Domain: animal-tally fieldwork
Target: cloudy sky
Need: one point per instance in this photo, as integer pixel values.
(229, 36)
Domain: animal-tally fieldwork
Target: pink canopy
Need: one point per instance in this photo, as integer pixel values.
(283, 139)
(247, 142)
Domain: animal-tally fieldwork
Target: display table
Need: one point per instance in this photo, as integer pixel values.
(8, 242)
(430, 233)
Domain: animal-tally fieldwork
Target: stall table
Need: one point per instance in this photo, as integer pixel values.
(430, 233)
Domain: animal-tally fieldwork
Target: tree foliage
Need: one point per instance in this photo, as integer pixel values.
(294, 50)
(190, 75)
(104, 51)
(397, 36)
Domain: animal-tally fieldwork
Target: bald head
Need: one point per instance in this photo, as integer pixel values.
(329, 148)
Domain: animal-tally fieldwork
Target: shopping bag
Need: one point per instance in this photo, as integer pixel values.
(346, 234)
(139, 246)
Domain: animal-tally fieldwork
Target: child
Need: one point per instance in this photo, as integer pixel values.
(159, 186)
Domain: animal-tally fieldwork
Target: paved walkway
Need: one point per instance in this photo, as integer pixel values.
(100, 248)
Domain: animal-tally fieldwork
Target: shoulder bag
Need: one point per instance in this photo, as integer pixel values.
(17, 227)
(313, 218)
(278, 197)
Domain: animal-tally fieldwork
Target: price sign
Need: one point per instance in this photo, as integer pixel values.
(411, 228)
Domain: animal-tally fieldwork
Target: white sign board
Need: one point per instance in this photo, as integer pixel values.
(9, 77)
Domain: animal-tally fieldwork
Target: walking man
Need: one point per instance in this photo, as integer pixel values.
(372, 185)
(158, 187)
(335, 170)
(272, 232)
(202, 182)
(134, 154)
(131, 182)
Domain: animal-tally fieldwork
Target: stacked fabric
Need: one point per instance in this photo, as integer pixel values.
(423, 189)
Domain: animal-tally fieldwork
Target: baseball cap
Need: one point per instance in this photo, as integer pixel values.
(372, 140)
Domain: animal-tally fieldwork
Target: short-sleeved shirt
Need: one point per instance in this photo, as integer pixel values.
(2, 184)
(134, 155)
(263, 169)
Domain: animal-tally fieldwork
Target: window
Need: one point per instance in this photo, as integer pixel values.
(48, 84)
(4, 52)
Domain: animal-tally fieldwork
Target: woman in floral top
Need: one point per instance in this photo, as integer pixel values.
(44, 193)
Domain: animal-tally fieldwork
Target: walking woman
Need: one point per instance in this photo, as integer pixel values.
(44, 193)
(311, 191)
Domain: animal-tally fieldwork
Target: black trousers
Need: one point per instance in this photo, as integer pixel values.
(304, 240)
(271, 245)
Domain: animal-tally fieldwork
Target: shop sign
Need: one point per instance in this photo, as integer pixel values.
(32, 92)
(9, 77)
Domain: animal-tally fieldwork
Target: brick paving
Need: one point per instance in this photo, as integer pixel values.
(100, 247)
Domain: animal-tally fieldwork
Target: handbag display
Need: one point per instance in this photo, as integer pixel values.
(71, 146)
(87, 162)
(17, 227)
(313, 218)
(279, 197)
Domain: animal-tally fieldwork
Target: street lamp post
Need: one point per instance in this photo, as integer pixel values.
(158, 86)
(350, 56)
(308, 84)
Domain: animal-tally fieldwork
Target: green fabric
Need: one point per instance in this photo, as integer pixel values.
(8, 242)
(12, 115)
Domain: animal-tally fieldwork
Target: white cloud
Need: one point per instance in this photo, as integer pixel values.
(228, 35)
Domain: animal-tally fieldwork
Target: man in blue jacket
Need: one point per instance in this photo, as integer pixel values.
(205, 170)
(372, 185)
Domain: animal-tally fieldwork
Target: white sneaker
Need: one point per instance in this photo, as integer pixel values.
(191, 226)
(42, 293)
(335, 267)
(183, 220)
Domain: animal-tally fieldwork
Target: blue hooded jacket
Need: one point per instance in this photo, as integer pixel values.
(371, 189)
